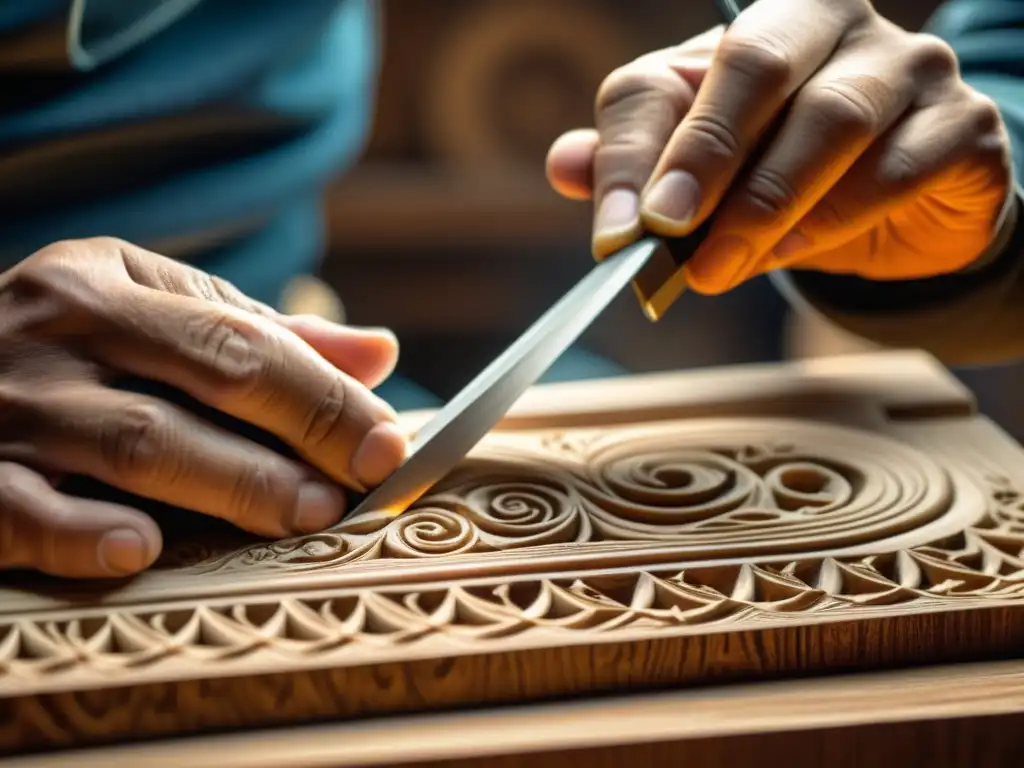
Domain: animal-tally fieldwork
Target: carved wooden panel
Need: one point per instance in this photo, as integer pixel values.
(744, 524)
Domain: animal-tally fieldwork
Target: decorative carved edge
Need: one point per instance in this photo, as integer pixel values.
(83, 648)
(974, 569)
(192, 639)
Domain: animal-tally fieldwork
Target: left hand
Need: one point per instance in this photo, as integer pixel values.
(81, 318)
(875, 158)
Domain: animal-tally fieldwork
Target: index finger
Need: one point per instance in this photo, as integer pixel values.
(251, 368)
(771, 49)
(636, 110)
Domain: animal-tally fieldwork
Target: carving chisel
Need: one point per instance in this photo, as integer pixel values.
(654, 268)
(448, 437)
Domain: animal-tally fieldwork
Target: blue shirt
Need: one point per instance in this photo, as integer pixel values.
(203, 129)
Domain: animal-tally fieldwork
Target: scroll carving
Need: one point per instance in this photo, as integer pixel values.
(745, 487)
(980, 565)
(544, 540)
(720, 488)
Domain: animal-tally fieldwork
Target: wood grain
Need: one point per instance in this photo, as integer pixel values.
(654, 532)
(968, 714)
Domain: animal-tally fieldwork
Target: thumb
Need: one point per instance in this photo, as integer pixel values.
(570, 163)
(368, 355)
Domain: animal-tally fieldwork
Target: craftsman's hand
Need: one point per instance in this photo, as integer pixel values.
(77, 315)
(875, 159)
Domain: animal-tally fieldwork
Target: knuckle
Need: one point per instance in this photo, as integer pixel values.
(769, 191)
(214, 289)
(900, 169)
(137, 445)
(327, 419)
(56, 519)
(255, 485)
(757, 57)
(199, 284)
(54, 276)
(854, 107)
(62, 251)
(828, 213)
(637, 84)
(715, 136)
(933, 57)
(985, 116)
(625, 160)
(637, 108)
(237, 352)
(111, 246)
(226, 292)
(59, 283)
(622, 85)
(632, 140)
(989, 141)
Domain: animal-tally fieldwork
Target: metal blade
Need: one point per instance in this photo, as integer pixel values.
(448, 437)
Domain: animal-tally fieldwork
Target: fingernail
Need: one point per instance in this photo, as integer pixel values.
(673, 199)
(618, 215)
(791, 244)
(318, 507)
(380, 454)
(123, 551)
(718, 263)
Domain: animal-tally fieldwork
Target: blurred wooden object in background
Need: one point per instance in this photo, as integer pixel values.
(515, 75)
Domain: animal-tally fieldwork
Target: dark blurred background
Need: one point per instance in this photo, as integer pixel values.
(448, 233)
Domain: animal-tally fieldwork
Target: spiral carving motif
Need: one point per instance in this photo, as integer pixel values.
(504, 507)
(712, 488)
(810, 486)
(676, 486)
(430, 532)
(756, 485)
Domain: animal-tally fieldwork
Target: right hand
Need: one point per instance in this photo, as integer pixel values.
(820, 135)
(77, 315)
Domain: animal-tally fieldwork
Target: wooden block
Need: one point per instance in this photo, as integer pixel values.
(672, 530)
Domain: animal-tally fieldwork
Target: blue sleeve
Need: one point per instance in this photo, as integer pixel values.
(988, 37)
(210, 140)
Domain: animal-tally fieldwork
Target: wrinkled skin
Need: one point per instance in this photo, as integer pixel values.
(77, 316)
(821, 135)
